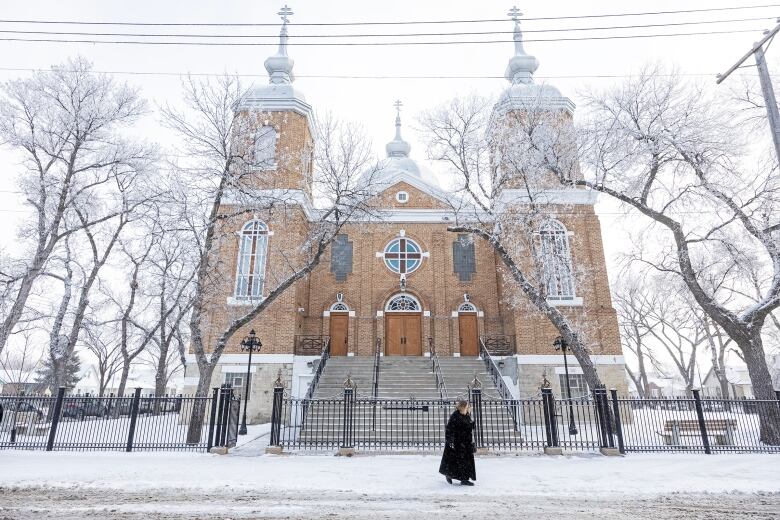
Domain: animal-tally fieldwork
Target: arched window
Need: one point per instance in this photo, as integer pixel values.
(339, 307)
(252, 252)
(265, 147)
(403, 303)
(556, 259)
(467, 307)
(402, 255)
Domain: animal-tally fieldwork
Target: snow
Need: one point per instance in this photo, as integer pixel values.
(247, 467)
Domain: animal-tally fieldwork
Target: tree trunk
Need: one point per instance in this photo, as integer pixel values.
(126, 361)
(769, 411)
(195, 429)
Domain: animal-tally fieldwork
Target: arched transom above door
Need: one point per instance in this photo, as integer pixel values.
(403, 303)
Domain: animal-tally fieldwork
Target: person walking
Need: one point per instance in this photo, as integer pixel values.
(457, 462)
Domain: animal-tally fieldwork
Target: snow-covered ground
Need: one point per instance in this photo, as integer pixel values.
(249, 484)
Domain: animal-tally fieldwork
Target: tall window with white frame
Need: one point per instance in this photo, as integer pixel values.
(252, 253)
(556, 261)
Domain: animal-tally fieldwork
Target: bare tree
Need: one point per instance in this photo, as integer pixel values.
(221, 142)
(66, 126)
(633, 303)
(669, 150)
(506, 195)
(19, 365)
(100, 339)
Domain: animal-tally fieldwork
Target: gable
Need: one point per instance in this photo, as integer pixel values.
(418, 199)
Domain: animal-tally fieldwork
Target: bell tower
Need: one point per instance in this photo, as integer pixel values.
(275, 127)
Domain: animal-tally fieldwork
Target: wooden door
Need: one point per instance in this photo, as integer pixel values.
(412, 335)
(467, 330)
(339, 334)
(394, 334)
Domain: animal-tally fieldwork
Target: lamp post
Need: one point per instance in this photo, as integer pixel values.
(248, 344)
(560, 344)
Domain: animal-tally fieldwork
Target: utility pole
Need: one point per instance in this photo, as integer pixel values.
(766, 84)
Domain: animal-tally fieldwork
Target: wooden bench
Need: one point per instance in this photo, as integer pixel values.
(722, 430)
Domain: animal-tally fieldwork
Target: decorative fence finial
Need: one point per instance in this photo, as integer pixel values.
(279, 383)
(476, 384)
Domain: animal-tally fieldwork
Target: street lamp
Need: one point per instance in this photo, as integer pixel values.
(560, 344)
(248, 344)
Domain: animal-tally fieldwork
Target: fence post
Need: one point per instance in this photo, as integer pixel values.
(702, 425)
(133, 419)
(55, 419)
(550, 423)
(618, 421)
(602, 413)
(475, 392)
(224, 414)
(212, 418)
(347, 430)
(275, 444)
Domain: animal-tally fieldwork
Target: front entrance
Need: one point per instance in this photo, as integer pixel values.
(468, 333)
(339, 333)
(403, 334)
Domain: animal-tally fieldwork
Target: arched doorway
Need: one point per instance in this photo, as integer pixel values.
(339, 329)
(403, 326)
(468, 329)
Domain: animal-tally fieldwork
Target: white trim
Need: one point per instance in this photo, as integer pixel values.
(379, 254)
(572, 370)
(243, 302)
(454, 314)
(559, 196)
(427, 314)
(480, 314)
(573, 302)
(238, 359)
(325, 314)
(235, 369)
(402, 194)
(275, 196)
(456, 354)
(426, 354)
(379, 314)
(556, 359)
(351, 314)
(350, 354)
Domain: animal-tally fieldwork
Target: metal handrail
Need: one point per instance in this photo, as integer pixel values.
(324, 356)
(498, 380)
(436, 369)
(375, 377)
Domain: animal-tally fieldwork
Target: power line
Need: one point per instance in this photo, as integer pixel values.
(350, 76)
(406, 22)
(384, 35)
(373, 44)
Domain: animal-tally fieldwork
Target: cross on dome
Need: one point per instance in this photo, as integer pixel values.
(398, 147)
(279, 66)
(522, 65)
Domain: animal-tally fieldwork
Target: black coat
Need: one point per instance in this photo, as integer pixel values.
(458, 459)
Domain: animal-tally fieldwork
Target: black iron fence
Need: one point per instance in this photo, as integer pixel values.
(133, 423)
(602, 421)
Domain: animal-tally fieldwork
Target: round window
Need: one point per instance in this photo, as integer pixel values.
(402, 255)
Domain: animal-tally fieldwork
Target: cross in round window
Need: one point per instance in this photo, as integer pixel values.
(402, 255)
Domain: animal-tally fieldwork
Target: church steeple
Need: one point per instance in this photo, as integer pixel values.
(280, 65)
(398, 147)
(521, 66)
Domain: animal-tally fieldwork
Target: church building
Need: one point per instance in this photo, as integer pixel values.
(401, 282)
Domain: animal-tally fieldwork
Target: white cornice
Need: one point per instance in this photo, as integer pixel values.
(558, 196)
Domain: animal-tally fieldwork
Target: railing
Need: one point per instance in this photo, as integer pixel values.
(130, 423)
(498, 379)
(436, 369)
(500, 344)
(603, 421)
(324, 356)
(310, 344)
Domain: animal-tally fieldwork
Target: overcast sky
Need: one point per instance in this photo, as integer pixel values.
(570, 65)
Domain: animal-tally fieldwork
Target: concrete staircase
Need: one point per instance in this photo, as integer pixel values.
(458, 373)
(393, 420)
